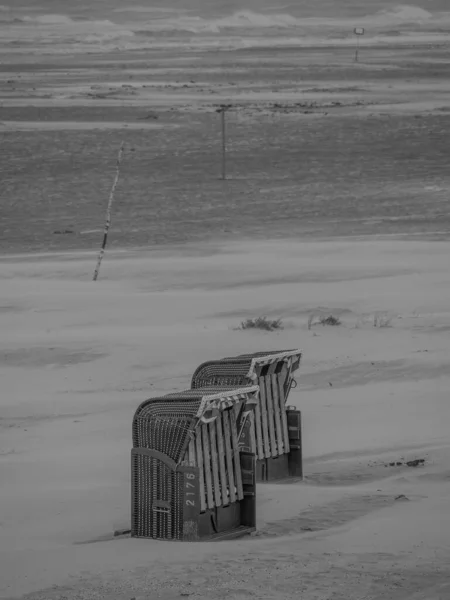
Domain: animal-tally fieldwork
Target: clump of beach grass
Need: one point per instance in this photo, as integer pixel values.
(330, 320)
(323, 320)
(262, 323)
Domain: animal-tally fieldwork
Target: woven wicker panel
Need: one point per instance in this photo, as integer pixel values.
(222, 373)
(295, 358)
(208, 390)
(232, 370)
(259, 354)
(157, 501)
(164, 423)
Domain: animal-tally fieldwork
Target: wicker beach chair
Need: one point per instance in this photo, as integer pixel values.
(274, 433)
(190, 479)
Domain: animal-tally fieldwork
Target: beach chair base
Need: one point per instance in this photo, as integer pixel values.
(230, 535)
(295, 456)
(271, 469)
(226, 522)
(181, 518)
(280, 467)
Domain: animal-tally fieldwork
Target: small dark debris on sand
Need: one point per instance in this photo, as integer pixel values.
(119, 532)
(415, 463)
(151, 115)
(410, 463)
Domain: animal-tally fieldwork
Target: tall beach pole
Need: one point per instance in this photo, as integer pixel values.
(108, 212)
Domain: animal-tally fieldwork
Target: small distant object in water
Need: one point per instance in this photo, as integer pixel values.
(150, 115)
(402, 497)
(358, 31)
(223, 107)
(62, 231)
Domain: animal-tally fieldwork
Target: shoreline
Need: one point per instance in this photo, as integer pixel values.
(171, 249)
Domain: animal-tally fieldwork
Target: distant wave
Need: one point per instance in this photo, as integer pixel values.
(49, 20)
(401, 14)
(171, 20)
(148, 9)
(239, 20)
(245, 19)
(244, 26)
(53, 19)
(52, 28)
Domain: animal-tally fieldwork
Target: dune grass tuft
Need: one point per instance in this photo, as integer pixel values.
(330, 320)
(262, 323)
(315, 319)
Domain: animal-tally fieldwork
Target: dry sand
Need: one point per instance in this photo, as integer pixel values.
(77, 357)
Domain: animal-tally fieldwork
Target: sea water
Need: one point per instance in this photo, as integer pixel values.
(63, 26)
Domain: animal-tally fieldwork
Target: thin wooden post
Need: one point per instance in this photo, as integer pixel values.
(236, 456)
(108, 212)
(270, 415)
(277, 412)
(253, 434)
(258, 431)
(222, 110)
(222, 468)
(229, 454)
(215, 464)
(191, 453)
(264, 419)
(358, 31)
(199, 453)
(207, 462)
(224, 147)
(282, 399)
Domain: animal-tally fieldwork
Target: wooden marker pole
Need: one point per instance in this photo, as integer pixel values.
(358, 31)
(224, 149)
(108, 212)
(222, 111)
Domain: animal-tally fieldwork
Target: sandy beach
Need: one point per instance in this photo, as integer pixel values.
(335, 203)
(78, 356)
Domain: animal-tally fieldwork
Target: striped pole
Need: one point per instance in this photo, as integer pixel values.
(108, 213)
